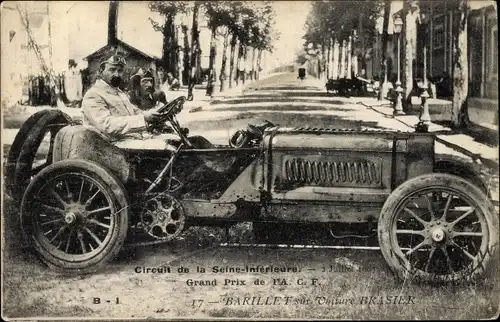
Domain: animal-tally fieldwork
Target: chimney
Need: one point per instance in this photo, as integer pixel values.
(112, 23)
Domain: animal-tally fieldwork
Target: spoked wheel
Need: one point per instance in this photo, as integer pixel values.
(74, 214)
(163, 218)
(438, 228)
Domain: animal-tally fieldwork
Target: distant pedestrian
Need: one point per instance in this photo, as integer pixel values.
(73, 83)
(173, 83)
(192, 81)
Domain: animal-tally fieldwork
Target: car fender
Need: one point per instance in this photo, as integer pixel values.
(463, 168)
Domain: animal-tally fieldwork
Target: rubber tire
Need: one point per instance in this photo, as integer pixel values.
(454, 167)
(15, 148)
(445, 181)
(24, 147)
(120, 201)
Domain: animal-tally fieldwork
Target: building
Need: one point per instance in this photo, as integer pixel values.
(135, 58)
(435, 33)
(438, 20)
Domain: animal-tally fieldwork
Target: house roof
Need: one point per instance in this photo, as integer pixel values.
(102, 50)
(476, 5)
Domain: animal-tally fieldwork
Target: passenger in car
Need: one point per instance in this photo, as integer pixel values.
(142, 93)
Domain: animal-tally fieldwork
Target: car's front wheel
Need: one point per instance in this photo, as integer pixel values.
(75, 215)
(438, 228)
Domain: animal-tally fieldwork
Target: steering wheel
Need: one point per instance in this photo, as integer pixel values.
(169, 111)
(169, 108)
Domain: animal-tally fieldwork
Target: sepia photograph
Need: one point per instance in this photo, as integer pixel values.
(249, 160)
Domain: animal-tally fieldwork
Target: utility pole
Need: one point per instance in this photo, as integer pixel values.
(51, 64)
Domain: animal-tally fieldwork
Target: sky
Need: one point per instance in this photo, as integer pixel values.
(290, 20)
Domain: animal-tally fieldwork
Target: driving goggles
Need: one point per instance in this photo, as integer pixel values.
(115, 60)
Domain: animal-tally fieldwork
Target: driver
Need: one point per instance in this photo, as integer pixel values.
(108, 110)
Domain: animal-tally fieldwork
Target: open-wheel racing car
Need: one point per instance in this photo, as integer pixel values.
(435, 221)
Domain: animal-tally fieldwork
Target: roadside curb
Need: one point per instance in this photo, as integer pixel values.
(445, 136)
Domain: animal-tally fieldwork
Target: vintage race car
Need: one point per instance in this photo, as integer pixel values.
(434, 218)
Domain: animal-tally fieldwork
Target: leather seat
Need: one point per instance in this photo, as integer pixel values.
(80, 142)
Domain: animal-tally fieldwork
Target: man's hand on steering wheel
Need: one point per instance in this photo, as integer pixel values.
(167, 113)
(159, 115)
(153, 116)
(172, 108)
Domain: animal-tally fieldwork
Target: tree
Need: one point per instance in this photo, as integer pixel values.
(234, 26)
(195, 50)
(218, 15)
(335, 21)
(187, 56)
(240, 36)
(459, 113)
(248, 19)
(168, 9)
(384, 70)
(234, 41)
(263, 34)
(229, 13)
(412, 16)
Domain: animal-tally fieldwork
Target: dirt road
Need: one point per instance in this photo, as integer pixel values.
(250, 282)
(236, 282)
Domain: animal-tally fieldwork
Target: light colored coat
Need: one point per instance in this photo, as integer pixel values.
(73, 84)
(109, 111)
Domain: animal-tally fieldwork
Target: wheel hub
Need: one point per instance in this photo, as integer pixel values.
(163, 218)
(438, 234)
(76, 214)
(70, 218)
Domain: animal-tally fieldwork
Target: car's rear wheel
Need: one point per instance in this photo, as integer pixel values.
(75, 216)
(438, 228)
(22, 163)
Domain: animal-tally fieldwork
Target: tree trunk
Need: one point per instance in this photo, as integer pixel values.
(112, 23)
(336, 54)
(410, 32)
(231, 59)
(168, 43)
(252, 66)
(349, 58)
(328, 59)
(459, 113)
(239, 63)
(323, 61)
(354, 60)
(223, 74)
(362, 51)
(332, 51)
(187, 57)
(245, 64)
(342, 60)
(195, 45)
(385, 36)
(175, 56)
(259, 57)
(211, 62)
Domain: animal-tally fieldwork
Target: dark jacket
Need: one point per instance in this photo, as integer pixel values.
(149, 101)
